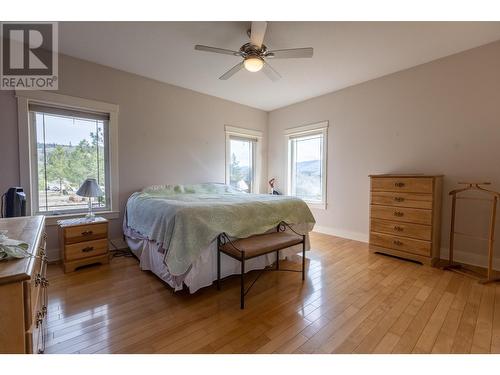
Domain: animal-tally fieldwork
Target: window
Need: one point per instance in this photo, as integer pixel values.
(307, 163)
(242, 158)
(70, 146)
(241, 170)
(64, 140)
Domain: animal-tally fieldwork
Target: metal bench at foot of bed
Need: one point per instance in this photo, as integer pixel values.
(247, 248)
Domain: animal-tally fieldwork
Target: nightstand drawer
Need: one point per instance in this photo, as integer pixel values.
(88, 232)
(86, 249)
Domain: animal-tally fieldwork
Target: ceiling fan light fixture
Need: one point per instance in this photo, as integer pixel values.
(253, 63)
(255, 54)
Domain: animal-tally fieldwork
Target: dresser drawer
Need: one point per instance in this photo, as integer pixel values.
(401, 243)
(403, 184)
(402, 214)
(86, 249)
(411, 200)
(82, 233)
(35, 336)
(35, 329)
(20, 295)
(42, 245)
(418, 231)
(33, 290)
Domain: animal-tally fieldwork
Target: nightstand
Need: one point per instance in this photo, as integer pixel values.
(83, 242)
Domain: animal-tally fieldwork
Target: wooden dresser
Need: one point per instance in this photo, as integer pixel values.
(405, 216)
(23, 289)
(83, 242)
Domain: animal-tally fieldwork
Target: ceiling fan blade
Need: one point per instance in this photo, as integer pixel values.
(272, 74)
(223, 51)
(257, 33)
(290, 53)
(231, 72)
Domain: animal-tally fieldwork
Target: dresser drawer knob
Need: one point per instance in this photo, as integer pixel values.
(399, 184)
(88, 249)
(38, 279)
(399, 199)
(87, 233)
(397, 228)
(397, 242)
(44, 282)
(398, 213)
(39, 318)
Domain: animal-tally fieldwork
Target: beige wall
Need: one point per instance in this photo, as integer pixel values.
(440, 117)
(167, 134)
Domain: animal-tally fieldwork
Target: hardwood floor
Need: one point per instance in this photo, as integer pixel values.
(351, 302)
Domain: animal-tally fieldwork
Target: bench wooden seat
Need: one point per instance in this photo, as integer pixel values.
(247, 248)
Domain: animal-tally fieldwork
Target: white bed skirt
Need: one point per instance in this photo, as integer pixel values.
(203, 272)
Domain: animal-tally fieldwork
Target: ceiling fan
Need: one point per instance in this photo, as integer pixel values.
(255, 53)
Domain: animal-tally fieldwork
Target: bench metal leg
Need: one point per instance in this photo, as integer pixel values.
(303, 258)
(242, 289)
(222, 238)
(218, 264)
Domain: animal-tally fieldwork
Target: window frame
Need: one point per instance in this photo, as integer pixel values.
(34, 175)
(320, 128)
(28, 155)
(254, 136)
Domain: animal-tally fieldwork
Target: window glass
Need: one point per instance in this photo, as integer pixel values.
(307, 167)
(241, 168)
(69, 150)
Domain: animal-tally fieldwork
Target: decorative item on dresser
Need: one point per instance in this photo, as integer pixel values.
(23, 289)
(405, 216)
(83, 242)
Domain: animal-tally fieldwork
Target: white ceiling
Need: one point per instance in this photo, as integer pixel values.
(345, 53)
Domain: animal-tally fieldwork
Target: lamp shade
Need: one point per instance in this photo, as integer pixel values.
(90, 188)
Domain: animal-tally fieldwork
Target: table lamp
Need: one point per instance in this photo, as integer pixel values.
(90, 189)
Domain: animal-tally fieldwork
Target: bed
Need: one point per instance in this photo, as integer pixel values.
(172, 229)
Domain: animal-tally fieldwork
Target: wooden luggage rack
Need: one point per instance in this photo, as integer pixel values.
(493, 198)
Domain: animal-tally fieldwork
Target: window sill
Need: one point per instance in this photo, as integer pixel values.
(51, 220)
(316, 205)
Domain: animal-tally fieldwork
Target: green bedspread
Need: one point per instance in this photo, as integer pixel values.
(185, 219)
